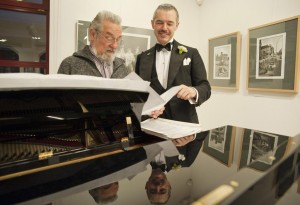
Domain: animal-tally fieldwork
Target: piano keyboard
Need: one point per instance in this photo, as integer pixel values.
(19, 151)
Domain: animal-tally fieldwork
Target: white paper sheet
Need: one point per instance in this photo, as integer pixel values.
(169, 129)
(156, 102)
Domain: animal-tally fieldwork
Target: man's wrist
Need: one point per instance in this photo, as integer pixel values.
(196, 96)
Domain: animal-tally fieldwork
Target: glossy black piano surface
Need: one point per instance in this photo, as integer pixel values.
(58, 146)
(260, 168)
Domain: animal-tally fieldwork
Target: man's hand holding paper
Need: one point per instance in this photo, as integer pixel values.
(155, 102)
(179, 142)
(154, 114)
(186, 92)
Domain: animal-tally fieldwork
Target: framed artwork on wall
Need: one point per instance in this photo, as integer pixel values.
(82, 34)
(273, 57)
(219, 144)
(134, 41)
(224, 61)
(260, 150)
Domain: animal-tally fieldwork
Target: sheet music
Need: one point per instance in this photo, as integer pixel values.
(169, 129)
(166, 96)
(156, 102)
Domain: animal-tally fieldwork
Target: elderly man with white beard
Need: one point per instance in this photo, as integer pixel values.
(99, 58)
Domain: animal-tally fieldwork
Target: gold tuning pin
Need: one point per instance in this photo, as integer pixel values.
(125, 142)
(44, 155)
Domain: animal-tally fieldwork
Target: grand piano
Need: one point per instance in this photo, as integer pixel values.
(53, 126)
(60, 140)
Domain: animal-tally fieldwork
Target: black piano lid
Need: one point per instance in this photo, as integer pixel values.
(55, 112)
(35, 99)
(51, 95)
(208, 172)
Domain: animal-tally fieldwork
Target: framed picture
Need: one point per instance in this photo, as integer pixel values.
(298, 187)
(224, 61)
(273, 57)
(260, 150)
(82, 38)
(219, 144)
(134, 41)
(288, 171)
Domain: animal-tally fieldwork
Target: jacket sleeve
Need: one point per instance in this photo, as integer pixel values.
(199, 77)
(137, 64)
(64, 67)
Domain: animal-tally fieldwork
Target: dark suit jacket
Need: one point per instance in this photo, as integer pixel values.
(190, 152)
(193, 74)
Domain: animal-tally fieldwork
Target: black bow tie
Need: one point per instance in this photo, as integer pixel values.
(162, 167)
(159, 47)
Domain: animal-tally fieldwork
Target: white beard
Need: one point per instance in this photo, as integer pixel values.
(104, 57)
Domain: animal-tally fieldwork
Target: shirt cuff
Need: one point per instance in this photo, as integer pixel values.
(194, 100)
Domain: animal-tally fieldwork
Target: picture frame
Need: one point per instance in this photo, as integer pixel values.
(298, 187)
(224, 56)
(273, 56)
(219, 144)
(260, 150)
(288, 171)
(134, 41)
(82, 34)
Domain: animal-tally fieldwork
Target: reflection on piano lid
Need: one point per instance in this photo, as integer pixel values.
(49, 182)
(43, 128)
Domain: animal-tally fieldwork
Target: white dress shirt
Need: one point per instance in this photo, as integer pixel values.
(162, 66)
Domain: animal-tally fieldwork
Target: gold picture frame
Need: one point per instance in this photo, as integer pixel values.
(261, 150)
(219, 144)
(273, 56)
(224, 61)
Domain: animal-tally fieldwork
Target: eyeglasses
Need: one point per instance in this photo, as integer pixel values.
(110, 39)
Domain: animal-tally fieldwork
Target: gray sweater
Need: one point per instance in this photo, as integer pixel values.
(81, 63)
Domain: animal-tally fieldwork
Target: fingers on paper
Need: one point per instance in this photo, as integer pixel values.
(186, 92)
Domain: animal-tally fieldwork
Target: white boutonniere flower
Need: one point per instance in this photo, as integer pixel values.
(186, 61)
(181, 157)
(182, 49)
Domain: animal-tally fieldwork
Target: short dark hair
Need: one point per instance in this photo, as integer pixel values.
(161, 203)
(99, 199)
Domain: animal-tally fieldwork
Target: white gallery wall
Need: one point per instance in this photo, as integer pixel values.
(270, 112)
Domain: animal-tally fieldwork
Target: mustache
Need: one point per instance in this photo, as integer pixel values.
(162, 31)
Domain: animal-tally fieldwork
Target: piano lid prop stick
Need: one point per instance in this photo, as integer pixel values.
(129, 127)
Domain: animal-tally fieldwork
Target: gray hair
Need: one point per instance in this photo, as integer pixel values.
(102, 16)
(166, 7)
(99, 199)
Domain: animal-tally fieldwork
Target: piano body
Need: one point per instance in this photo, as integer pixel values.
(52, 127)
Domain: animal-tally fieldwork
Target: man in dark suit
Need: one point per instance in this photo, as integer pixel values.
(180, 66)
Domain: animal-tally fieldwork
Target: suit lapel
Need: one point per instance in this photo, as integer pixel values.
(175, 63)
(146, 64)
